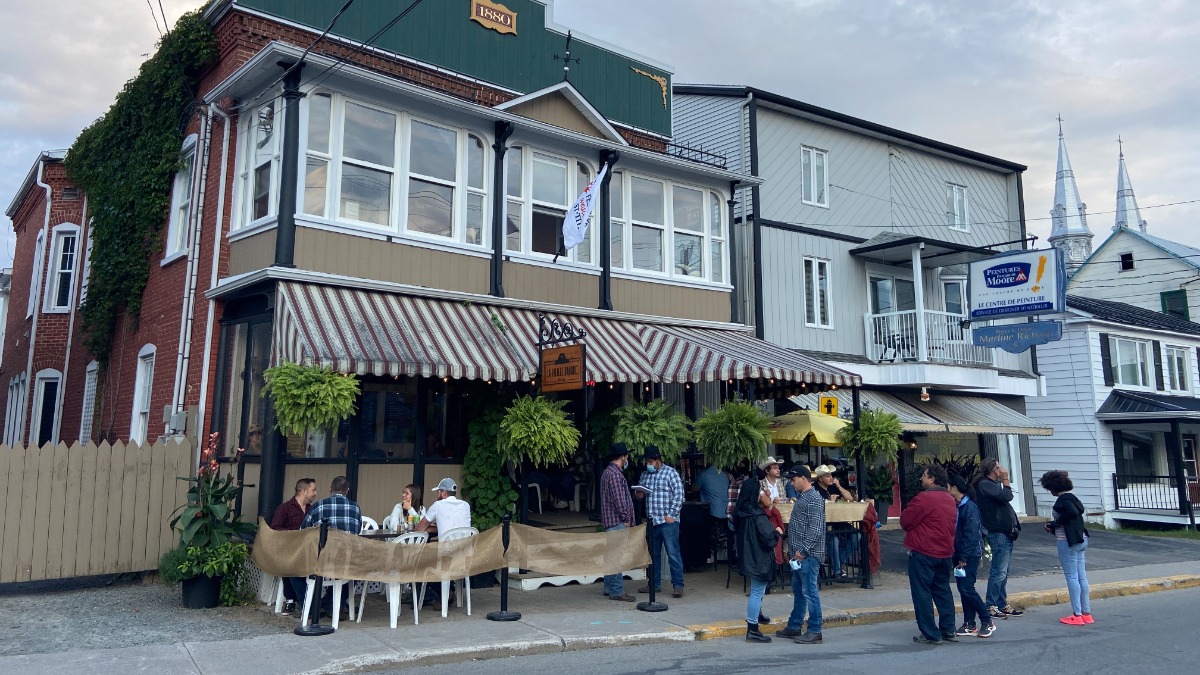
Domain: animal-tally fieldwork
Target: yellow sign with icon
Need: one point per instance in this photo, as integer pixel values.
(828, 405)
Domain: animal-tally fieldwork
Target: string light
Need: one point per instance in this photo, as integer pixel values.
(925, 393)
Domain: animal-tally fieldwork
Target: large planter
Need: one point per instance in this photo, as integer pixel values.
(881, 510)
(201, 592)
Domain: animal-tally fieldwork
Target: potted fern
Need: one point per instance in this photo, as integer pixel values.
(876, 440)
(535, 431)
(735, 432)
(655, 423)
(309, 398)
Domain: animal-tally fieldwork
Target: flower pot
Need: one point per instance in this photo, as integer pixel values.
(201, 592)
(881, 509)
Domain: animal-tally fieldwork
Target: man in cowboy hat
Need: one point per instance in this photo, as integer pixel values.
(772, 482)
(844, 539)
(663, 503)
(616, 511)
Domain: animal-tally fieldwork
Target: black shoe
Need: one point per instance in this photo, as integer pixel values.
(786, 632)
(922, 640)
(808, 639)
(950, 637)
(289, 606)
(764, 620)
(753, 634)
(1009, 610)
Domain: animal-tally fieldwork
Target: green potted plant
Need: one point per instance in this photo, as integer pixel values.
(735, 432)
(209, 561)
(535, 431)
(877, 438)
(491, 494)
(655, 423)
(309, 398)
(880, 488)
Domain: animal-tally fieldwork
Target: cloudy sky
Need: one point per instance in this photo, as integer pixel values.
(988, 75)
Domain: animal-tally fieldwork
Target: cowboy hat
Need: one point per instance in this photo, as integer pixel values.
(823, 470)
(767, 462)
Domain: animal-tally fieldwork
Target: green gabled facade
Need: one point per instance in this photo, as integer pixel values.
(441, 33)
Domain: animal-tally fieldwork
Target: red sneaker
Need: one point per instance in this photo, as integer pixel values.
(1087, 618)
(1073, 620)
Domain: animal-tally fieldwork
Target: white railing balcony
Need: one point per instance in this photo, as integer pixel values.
(924, 336)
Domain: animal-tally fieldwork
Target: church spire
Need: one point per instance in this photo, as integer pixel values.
(1127, 208)
(1069, 215)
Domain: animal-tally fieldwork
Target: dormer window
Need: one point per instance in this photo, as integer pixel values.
(1126, 260)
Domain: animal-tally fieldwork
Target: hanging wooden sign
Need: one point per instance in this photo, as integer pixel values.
(563, 368)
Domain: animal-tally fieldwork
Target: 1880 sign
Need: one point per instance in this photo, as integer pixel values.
(494, 15)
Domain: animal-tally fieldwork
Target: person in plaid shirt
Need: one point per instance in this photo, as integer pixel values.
(337, 508)
(806, 540)
(662, 510)
(616, 511)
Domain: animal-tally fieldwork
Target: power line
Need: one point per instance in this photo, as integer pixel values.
(155, 18)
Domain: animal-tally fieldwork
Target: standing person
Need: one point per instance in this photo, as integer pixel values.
(968, 551)
(290, 516)
(1067, 527)
(616, 511)
(772, 482)
(757, 540)
(806, 542)
(994, 495)
(929, 525)
(662, 510)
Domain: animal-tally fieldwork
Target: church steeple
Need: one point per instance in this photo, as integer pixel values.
(1127, 208)
(1070, 232)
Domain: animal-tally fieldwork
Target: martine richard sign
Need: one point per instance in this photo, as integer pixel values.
(494, 15)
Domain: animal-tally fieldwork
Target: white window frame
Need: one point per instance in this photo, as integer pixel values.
(14, 415)
(527, 204)
(958, 208)
(39, 267)
(87, 415)
(809, 178)
(61, 275)
(962, 295)
(252, 162)
(87, 267)
(811, 277)
(143, 389)
(182, 193)
(44, 377)
(1145, 361)
(1179, 369)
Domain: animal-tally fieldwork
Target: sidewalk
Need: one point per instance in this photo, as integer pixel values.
(554, 620)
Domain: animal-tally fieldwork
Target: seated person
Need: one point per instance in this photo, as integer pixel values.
(342, 514)
(289, 516)
(409, 507)
(842, 542)
(447, 513)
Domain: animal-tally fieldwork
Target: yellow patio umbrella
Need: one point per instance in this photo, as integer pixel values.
(799, 426)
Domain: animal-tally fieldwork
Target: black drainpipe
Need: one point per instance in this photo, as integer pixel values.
(609, 157)
(503, 131)
(735, 312)
(285, 230)
(759, 312)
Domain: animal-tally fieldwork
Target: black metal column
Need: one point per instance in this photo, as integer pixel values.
(735, 311)
(860, 467)
(499, 204)
(1175, 447)
(289, 166)
(609, 157)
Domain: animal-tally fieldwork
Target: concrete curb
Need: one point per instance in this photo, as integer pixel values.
(869, 615)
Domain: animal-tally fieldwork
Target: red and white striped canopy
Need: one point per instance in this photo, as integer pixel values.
(378, 333)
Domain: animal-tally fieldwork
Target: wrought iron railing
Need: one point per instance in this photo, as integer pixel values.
(892, 337)
(1140, 491)
(695, 154)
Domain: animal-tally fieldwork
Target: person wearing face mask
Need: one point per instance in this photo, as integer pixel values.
(616, 511)
(663, 502)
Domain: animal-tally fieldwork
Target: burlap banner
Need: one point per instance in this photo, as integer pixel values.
(347, 556)
(577, 554)
(285, 553)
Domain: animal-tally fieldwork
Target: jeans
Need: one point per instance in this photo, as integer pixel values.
(971, 602)
(1074, 568)
(805, 597)
(614, 584)
(839, 548)
(997, 587)
(666, 534)
(754, 604)
(929, 583)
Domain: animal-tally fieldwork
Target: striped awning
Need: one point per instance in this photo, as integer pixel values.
(943, 413)
(378, 333)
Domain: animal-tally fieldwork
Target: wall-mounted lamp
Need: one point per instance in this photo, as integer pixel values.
(924, 393)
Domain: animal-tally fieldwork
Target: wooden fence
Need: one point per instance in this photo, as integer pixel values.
(87, 509)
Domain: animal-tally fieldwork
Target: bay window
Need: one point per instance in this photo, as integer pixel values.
(541, 189)
(515, 180)
(181, 199)
(258, 179)
(716, 230)
(616, 223)
(316, 168)
(687, 207)
(648, 213)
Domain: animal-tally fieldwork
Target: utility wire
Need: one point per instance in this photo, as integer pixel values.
(155, 17)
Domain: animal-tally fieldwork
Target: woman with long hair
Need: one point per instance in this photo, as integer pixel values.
(1067, 527)
(757, 539)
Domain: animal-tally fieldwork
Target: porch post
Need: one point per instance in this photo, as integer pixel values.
(1175, 447)
(919, 300)
(860, 468)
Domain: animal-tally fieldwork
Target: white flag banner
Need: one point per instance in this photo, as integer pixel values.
(575, 225)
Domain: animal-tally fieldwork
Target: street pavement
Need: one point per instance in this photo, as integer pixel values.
(555, 620)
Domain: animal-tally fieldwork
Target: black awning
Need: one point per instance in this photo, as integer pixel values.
(1130, 406)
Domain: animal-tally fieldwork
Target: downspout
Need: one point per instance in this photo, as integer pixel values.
(285, 229)
(78, 286)
(196, 218)
(503, 131)
(609, 157)
(218, 235)
(734, 299)
(27, 419)
(756, 231)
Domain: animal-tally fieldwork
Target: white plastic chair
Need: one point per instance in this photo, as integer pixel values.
(368, 525)
(279, 581)
(336, 585)
(451, 535)
(395, 588)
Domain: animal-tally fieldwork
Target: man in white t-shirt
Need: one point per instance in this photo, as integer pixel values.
(448, 512)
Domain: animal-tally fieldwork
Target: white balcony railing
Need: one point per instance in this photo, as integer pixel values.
(895, 337)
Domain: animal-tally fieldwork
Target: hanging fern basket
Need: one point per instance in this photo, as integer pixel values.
(308, 398)
(655, 423)
(735, 432)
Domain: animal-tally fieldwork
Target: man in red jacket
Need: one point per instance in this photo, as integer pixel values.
(928, 524)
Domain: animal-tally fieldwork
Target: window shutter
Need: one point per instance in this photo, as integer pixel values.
(1106, 360)
(1158, 367)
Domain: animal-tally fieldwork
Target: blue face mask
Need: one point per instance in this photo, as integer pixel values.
(651, 468)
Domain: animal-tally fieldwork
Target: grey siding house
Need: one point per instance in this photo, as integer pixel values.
(854, 250)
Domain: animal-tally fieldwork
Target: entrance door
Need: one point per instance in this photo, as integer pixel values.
(895, 333)
(1008, 448)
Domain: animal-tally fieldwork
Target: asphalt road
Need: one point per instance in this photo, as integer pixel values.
(1034, 551)
(1136, 634)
